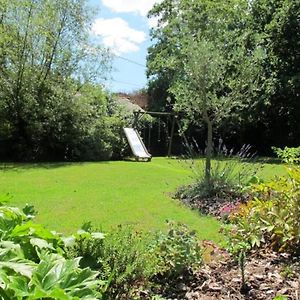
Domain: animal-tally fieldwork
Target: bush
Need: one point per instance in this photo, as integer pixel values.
(271, 218)
(288, 155)
(177, 252)
(32, 265)
(128, 261)
(229, 173)
(121, 258)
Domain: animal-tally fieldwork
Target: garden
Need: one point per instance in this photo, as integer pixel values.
(217, 219)
(231, 240)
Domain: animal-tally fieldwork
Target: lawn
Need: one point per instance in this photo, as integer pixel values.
(107, 194)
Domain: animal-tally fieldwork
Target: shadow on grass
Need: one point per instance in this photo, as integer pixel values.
(16, 166)
(255, 159)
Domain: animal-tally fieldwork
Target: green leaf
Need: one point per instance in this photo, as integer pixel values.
(41, 244)
(98, 235)
(22, 267)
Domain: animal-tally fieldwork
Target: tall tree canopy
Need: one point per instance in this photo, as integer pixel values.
(257, 42)
(48, 75)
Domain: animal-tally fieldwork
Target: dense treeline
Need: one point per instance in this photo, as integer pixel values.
(52, 105)
(255, 50)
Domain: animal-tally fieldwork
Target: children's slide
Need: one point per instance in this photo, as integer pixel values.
(136, 144)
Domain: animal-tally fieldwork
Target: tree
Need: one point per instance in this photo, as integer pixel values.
(258, 40)
(200, 91)
(46, 59)
(277, 26)
(202, 47)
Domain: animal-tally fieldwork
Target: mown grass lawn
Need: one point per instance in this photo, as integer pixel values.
(107, 194)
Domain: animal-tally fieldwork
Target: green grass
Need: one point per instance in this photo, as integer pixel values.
(107, 194)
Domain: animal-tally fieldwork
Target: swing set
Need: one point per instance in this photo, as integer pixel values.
(171, 118)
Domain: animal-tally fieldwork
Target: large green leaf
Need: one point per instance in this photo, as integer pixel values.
(22, 267)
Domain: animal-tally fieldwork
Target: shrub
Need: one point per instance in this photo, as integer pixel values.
(128, 261)
(272, 217)
(288, 155)
(121, 258)
(32, 265)
(229, 173)
(177, 252)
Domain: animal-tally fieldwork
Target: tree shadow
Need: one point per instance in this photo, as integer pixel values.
(17, 166)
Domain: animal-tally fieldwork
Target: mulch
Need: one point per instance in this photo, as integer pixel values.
(267, 275)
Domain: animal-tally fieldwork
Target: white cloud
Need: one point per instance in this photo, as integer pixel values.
(137, 6)
(118, 35)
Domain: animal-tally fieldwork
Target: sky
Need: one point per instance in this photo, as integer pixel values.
(123, 26)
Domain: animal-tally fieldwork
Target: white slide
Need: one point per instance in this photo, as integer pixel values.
(136, 144)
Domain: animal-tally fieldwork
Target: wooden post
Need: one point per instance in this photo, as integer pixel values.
(171, 136)
(136, 119)
(185, 139)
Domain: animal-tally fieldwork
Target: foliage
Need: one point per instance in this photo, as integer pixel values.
(32, 262)
(276, 25)
(230, 172)
(177, 252)
(52, 105)
(53, 278)
(121, 258)
(196, 92)
(261, 62)
(288, 154)
(128, 261)
(272, 217)
(211, 69)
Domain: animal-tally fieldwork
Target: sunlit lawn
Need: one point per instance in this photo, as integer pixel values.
(107, 194)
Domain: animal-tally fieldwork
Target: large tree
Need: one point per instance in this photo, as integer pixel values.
(277, 26)
(201, 47)
(46, 58)
(266, 35)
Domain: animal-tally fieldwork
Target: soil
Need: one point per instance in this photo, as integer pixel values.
(215, 206)
(267, 275)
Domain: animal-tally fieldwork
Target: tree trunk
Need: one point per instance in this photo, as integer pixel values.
(208, 151)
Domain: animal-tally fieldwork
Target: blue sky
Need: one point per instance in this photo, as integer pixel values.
(122, 25)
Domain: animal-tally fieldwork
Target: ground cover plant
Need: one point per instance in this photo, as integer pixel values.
(33, 265)
(40, 264)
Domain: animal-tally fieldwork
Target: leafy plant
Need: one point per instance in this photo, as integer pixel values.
(121, 258)
(281, 297)
(32, 265)
(53, 277)
(288, 155)
(178, 251)
(272, 217)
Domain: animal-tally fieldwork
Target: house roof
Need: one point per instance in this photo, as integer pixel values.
(127, 104)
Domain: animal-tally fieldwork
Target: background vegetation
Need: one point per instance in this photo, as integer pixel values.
(52, 104)
(256, 48)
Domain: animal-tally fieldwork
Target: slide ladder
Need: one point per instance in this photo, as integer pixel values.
(137, 145)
